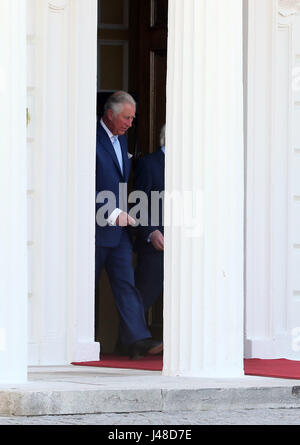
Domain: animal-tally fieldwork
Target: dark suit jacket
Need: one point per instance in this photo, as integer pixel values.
(149, 175)
(108, 178)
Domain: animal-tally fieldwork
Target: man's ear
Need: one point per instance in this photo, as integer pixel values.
(110, 114)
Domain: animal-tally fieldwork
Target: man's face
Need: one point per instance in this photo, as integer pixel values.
(119, 123)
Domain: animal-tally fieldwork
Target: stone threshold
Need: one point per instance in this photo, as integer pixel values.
(84, 390)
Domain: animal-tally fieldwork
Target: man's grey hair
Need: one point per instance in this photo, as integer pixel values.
(162, 136)
(116, 101)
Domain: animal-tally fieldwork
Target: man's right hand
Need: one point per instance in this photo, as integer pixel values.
(157, 240)
(124, 220)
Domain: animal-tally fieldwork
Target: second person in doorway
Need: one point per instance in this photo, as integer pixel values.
(150, 177)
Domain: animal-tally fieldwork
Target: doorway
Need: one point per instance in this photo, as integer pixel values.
(132, 56)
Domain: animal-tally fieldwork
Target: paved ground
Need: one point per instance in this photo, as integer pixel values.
(284, 416)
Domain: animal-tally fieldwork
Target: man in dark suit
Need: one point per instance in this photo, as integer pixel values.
(113, 243)
(150, 177)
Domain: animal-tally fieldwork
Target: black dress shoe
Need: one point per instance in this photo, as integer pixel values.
(144, 347)
(120, 348)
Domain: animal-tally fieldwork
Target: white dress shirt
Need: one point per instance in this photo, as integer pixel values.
(114, 215)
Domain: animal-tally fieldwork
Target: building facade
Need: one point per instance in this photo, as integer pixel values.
(233, 145)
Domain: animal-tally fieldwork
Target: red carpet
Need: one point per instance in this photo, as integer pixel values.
(148, 363)
(280, 368)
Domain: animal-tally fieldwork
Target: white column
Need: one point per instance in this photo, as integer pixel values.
(82, 345)
(13, 185)
(203, 313)
(62, 308)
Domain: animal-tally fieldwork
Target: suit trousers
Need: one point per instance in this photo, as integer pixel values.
(118, 264)
(149, 276)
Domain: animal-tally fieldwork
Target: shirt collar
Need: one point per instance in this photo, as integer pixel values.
(110, 135)
(163, 149)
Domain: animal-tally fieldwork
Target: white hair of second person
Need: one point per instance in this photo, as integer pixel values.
(162, 135)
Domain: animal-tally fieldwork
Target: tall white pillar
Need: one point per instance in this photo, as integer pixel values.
(13, 199)
(81, 341)
(204, 263)
(63, 90)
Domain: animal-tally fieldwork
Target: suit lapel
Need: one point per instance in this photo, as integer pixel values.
(161, 157)
(126, 161)
(105, 143)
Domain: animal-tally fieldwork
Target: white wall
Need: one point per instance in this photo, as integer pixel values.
(273, 188)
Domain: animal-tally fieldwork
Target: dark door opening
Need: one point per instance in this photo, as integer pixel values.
(132, 56)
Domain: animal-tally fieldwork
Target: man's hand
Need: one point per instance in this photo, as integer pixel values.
(124, 220)
(157, 240)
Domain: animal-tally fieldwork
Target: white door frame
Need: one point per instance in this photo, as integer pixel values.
(62, 287)
(65, 155)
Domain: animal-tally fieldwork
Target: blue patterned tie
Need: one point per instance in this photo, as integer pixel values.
(117, 147)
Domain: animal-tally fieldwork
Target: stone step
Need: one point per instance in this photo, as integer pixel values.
(84, 390)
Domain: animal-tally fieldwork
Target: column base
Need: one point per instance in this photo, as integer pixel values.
(86, 351)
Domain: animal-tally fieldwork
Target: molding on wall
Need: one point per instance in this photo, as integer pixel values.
(289, 7)
(57, 6)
